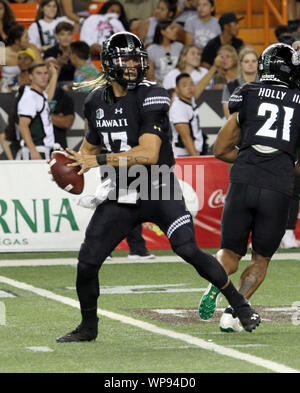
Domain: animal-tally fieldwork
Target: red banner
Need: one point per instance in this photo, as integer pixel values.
(204, 181)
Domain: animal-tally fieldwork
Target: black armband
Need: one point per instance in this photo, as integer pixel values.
(101, 159)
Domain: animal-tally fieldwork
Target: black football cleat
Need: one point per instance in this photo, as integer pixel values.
(82, 333)
(247, 316)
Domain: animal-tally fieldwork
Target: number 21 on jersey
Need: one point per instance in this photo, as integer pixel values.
(272, 110)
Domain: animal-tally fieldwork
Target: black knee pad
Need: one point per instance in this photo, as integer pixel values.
(183, 242)
(188, 251)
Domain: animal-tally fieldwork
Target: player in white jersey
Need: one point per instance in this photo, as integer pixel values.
(187, 136)
(34, 120)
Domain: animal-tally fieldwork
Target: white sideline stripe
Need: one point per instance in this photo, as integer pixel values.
(73, 261)
(121, 260)
(270, 365)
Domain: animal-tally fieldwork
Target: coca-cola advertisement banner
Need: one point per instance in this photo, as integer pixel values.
(204, 181)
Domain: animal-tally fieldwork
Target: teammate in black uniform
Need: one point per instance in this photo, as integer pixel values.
(265, 124)
(129, 117)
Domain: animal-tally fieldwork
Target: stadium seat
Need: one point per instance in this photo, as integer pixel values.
(94, 8)
(76, 36)
(25, 13)
(252, 34)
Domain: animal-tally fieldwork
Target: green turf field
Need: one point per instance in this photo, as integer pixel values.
(148, 320)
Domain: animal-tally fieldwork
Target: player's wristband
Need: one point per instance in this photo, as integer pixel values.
(101, 159)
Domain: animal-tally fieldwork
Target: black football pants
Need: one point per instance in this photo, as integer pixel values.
(112, 222)
(257, 211)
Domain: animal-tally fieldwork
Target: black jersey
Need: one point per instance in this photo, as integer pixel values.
(269, 117)
(118, 125)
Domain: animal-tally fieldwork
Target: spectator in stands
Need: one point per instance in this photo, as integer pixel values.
(42, 31)
(12, 135)
(165, 50)
(284, 35)
(7, 19)
(188, 138)
(223, 69)
(84, 69)
(34, 121)
(17, 40)
(166, 9)
(186, 9)
(293, 16)
(182, 112)
(97, 28)
(26, 57)
(203, 27)
(61, 52)
(188, 62)
(229, 24)
(228, 69)
(139, 9)
(114, 6)
(3, 142)
(248, 61)
(62, 116)
(76, 11)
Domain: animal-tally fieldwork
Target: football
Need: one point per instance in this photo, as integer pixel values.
(66, 177)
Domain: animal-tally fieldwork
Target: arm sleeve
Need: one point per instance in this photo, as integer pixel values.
(154, 112)
(34, 36)
(178, 114)
(236, 100)
(27, 106)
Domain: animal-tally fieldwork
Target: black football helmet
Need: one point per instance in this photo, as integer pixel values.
(122, 47)
(280, 63)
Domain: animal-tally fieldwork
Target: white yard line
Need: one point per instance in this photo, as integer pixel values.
(73, 261)
(232, 353)
(121, 260)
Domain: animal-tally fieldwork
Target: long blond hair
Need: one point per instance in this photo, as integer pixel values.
(93, 84)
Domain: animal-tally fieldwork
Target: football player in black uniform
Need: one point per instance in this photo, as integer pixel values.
(265, 124)
(129, 117)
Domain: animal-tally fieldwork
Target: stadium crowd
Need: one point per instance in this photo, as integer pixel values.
(189, 50)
